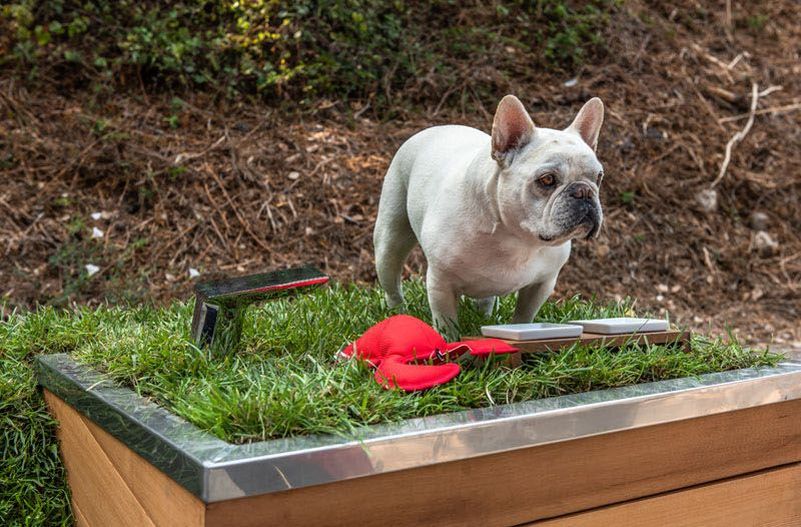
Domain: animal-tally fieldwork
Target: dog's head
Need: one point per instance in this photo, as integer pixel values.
(548, 181)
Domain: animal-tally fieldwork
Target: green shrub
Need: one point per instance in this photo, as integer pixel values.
(319, 47)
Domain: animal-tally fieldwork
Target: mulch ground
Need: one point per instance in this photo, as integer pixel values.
(236, 187)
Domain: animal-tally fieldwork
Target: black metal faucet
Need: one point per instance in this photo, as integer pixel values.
(220, 304)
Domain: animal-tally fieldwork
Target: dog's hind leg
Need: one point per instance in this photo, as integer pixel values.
(393, 236)
(391, 249)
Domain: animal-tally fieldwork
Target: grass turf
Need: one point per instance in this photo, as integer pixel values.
(33, 489)
(284, 381)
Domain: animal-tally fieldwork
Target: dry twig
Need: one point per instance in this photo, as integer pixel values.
(739, 136)
(787, 108)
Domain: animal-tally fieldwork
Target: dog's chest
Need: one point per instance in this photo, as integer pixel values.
(498, 269)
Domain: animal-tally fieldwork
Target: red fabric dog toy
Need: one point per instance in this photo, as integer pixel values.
(393, 346)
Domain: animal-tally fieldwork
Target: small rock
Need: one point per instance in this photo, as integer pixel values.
(708, 199)
(758, 221)
(570, 82)
(293, 175)
(96, 233)
(765, 244)
(662, 288)
(91, 269)
(193, 273)
(96, 215)
(170, 277)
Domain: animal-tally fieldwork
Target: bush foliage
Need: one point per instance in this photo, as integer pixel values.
(313, 47)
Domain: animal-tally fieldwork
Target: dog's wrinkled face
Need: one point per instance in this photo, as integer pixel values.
(548, 182)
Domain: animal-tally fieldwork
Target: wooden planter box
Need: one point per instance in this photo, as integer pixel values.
(721, 449)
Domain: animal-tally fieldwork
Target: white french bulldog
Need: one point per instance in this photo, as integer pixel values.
(493, 215)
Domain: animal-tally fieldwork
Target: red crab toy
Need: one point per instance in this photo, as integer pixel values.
(395, 345)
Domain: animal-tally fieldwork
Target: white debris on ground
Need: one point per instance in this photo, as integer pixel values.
(765, 244)
(758, 221)
(708, 199)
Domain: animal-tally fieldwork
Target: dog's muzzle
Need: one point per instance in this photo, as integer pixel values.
(594, 228)
(585, 208)
(584, 215)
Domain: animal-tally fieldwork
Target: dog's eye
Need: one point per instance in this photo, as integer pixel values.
(599, 177)
(547, 180)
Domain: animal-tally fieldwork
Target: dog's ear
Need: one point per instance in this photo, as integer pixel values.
(512, 127)
(587, 123)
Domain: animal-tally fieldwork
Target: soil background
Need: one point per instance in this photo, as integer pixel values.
(152, 192)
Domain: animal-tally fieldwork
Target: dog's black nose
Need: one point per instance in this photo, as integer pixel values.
(580, 190)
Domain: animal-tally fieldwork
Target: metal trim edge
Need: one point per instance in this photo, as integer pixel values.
(215, 470)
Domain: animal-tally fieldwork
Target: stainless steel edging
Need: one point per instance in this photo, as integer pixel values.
(215, 470)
